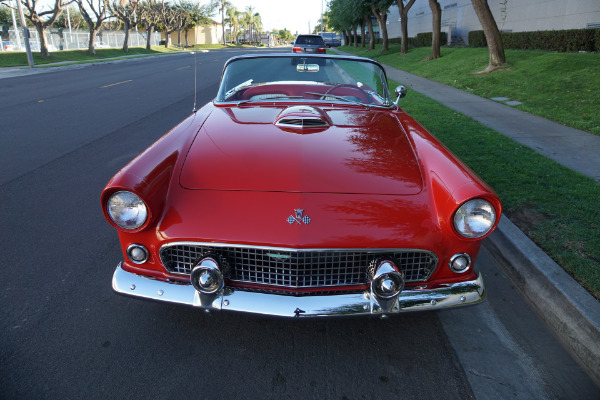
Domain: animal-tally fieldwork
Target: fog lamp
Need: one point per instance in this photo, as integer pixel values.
(387, 281)
(137, 253)
(206, 276)
(460, 262)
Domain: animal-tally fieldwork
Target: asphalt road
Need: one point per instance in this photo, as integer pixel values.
(65, 334)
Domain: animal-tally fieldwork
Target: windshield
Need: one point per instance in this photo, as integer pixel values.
(304, 79)
(316, 40)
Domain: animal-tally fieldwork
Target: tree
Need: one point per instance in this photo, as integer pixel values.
(249, 20)
(403, 10)
(436, 12)
(150, 16)
(257, 27)
(492, 35)
(44, 19)
(74, 15)
(371, 32)
(362, 32)
(233, 21)
(380, 9)
(168, 20)
(99, 9)
(5, 16)
(128, 12)
(346, 15)
(286, 35)
(223, 6)
(182, 19)
(198, 16)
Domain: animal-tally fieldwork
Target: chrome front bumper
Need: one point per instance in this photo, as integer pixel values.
(230, 299)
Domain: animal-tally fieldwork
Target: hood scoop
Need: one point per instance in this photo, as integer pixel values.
(302, 117)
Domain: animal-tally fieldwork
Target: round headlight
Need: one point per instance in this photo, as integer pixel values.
(127, 210)
(475, 218)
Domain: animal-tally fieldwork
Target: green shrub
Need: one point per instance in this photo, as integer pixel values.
(421, 40)
(477, 39)
(571, 40)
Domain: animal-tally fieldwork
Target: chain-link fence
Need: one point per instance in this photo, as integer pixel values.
(63, 39)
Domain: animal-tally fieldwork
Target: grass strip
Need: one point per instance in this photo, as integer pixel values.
(561, 87)
(555, 206)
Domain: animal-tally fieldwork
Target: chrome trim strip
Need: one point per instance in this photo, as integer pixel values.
(290, 249)
(230, 299)
(285, 122)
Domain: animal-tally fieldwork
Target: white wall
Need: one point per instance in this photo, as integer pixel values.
(459, 17)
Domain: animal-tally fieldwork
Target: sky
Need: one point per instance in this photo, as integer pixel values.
(293, 15)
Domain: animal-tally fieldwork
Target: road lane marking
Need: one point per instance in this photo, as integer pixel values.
(178, 69)
(114, 84)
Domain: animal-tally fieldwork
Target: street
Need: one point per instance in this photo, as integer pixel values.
(65, 334)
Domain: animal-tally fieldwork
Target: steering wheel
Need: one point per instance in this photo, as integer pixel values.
(363, 94)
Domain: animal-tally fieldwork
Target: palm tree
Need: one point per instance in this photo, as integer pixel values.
(257, 25)
(232, 19)
(249, 19)
(223, 6)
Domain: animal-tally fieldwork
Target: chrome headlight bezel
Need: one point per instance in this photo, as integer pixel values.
(127, 210)
(475, 218)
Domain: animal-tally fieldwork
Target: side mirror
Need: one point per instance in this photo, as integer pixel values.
(400, 92)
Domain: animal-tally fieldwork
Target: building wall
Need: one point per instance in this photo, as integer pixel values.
(459, 18)
(210, 34)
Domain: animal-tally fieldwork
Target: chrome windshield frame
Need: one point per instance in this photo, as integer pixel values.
(385, 89)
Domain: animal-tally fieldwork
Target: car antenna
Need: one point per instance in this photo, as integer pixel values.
(195, 75)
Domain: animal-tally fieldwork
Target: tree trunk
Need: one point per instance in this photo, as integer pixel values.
(346, 38)
(179, 37)
(43, 44)
(92, 43)
(355, 35)
(362, 35)
(436, 11)
(371, 33)
(126, 40)
(381, 21)
(403, 9)
(492, 34)
(187, 43)
(149, 31)
(223, 22)
(384, 33)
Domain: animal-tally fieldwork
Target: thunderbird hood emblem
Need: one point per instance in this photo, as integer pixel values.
(299, 218)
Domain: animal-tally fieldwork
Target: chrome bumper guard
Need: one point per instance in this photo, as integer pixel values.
(231, 299)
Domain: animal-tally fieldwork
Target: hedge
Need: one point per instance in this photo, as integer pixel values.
(422, 40)
(563, 41)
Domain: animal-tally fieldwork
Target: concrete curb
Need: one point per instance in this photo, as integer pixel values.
(563, 304)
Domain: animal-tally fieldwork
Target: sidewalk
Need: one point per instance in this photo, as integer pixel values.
(575, 149)
(568, 309)
(13, 72)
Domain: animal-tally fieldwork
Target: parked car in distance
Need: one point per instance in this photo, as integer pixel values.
(331, 39)
(9, 46)
(301, 190)
(309, 44)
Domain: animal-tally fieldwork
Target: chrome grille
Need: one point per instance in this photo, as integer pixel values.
(297, 268)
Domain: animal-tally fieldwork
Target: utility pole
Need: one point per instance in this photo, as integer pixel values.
(322, 23)
(69, 18)
(25, 33)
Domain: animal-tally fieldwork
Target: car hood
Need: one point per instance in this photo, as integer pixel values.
(268, 149)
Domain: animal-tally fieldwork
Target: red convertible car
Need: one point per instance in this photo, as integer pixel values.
(301, 190)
